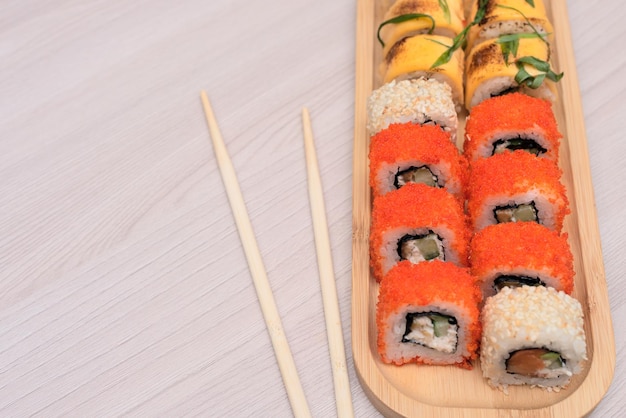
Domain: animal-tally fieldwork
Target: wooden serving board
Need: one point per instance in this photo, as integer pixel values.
(447, 391)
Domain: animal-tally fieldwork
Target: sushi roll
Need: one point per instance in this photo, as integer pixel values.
(489, 74)
(446, 19)
(414, 57)
(417, 223)
(467, 10)
(421, 101)
(428, 313)
(408, 153)
(504, 17)
(521, 253)
(516, 187)
(532, 336)
(510, 122)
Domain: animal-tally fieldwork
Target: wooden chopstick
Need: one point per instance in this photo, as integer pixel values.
(264, 292)
(343, 396)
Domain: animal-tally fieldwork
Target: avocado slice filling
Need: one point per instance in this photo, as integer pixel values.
(433, 330)
(525, 212)
(417, 248)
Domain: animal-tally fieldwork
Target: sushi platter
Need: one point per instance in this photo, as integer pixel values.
(444, 390)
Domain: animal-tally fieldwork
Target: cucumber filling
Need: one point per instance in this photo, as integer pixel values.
(536, 362)
(432, 330)
(418, 248)
(526, 212)
(515, 281)
(413, 174)
(513, 144)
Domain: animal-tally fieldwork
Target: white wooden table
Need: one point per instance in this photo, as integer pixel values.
(124, 289)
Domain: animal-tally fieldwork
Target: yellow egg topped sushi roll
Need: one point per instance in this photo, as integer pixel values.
(516, 187)
(510, 122)
(529, 72)
(532, 336)
(428, 313)
(417, 17)
(508, 17)
(467, 9)
(521, 253)
(414, 57)
(409, 153)
(417, 223)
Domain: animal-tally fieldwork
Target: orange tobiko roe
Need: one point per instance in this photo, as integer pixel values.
(430, 283)
(427, 144)
(502, 248)
(417, 206)
(513, 173)
(515, 112)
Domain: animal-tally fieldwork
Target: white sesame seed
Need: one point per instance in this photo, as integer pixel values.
(415, 100)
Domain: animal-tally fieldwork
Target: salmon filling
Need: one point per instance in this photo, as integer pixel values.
(536, 362)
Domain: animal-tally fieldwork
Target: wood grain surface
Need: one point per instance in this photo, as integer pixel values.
(124, 288)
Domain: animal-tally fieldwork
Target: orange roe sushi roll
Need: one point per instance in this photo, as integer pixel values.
(510, 122)
(417, 223)
(516, 187)
(409, 153)
(515, 254)
(428, 313)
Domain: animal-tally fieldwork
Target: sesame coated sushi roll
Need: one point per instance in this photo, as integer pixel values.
(533, 336)
(510, 122)
(516, 187)
(428, 313)
(417, 223)
(430, 17)
(504, 17)
(489, 74)
(421, 101)
(415, 56)
(521, 253)
(409, 153)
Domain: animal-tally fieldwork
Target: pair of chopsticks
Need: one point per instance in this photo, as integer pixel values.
(285, 360)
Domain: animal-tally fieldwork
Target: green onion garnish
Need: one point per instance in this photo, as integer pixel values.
(446, 9)
(459, 40)
(541, 36)
(531, 81)
(510, 43)
(404, 18)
